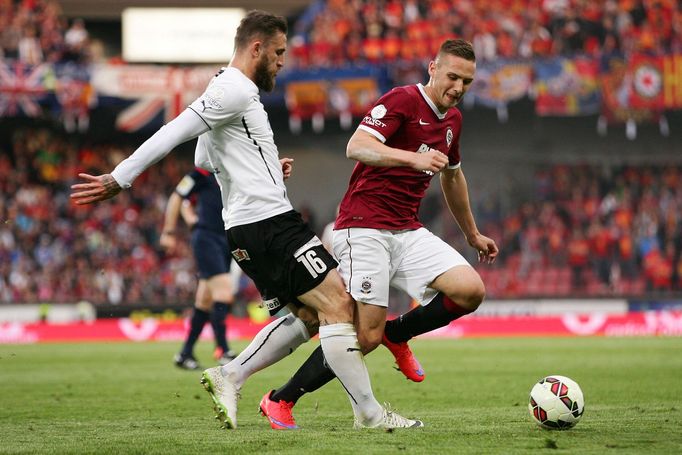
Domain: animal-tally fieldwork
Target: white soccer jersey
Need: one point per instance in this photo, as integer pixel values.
(241, 149)
(236, 143)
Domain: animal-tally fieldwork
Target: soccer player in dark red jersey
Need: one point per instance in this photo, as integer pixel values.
(409, 135)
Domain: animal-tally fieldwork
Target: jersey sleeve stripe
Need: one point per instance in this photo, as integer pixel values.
(455, 166)
(202, 119)
(373, 132)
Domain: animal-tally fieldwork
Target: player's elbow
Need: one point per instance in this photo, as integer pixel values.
(352, 150)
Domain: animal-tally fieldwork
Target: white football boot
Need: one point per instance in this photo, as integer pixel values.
(224, 394)
(389, 421)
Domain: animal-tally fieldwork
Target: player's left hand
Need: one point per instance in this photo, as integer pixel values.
(98, 188)
(486, 247)
(287, 167)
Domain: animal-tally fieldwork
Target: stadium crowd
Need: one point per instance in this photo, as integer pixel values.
(54, 251)
(36, 31)
(334, 32)
(590, 231)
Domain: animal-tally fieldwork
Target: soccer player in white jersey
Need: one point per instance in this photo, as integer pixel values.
(269, 240)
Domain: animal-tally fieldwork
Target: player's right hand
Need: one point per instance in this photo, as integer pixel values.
(98, 188)
(431, 161)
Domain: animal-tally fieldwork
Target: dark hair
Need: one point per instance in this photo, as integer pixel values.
(458, 48)
(258, 23)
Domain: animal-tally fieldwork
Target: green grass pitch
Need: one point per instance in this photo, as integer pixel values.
(129, 398)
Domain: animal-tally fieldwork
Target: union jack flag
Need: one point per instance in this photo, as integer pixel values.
(21, 89)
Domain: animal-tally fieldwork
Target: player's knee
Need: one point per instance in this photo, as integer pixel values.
(475, 296)
(204, 305)
(309, 318)
(224, 296)
(469, 295)
(369, 340)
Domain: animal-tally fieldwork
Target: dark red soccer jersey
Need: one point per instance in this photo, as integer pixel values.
(389, 197)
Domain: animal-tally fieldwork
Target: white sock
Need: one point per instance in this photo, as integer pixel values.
(342, 353)
(274, 342)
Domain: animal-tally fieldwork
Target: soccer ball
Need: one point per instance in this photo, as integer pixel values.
(556, 402)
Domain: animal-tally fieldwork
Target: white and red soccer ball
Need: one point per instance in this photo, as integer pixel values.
(556, 402)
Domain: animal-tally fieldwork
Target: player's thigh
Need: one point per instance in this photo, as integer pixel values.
(425, 257)
(203, 299)
(220, 287)
(364, 257)
(287, 262)
(330, 299)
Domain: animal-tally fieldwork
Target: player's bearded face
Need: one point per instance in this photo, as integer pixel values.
(270, 62)
(265, 77)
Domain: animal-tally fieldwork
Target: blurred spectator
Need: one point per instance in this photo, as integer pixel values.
(51, 250)
(35, 31)
(509, 28)
(594, 231)
(590, 231)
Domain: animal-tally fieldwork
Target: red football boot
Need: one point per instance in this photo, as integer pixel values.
(278, 413)
(407, 362)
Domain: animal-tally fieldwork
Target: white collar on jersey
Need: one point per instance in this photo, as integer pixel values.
(430, 103)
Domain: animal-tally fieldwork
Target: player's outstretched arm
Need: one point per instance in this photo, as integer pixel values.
(456, 194)
(97, 188)
(184, 127)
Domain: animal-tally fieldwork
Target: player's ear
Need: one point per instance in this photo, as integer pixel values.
(432, 67)
(256, 48)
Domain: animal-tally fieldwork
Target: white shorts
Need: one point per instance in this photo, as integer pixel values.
(372, 260)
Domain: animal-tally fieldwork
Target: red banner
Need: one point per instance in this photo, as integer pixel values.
(652, 323)
(647, 82)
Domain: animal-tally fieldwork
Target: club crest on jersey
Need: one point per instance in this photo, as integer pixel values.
(366, 285)
(448, 136)
(240, 255)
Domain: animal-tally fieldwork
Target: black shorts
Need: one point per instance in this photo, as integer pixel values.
(282, 256)
(211, 252)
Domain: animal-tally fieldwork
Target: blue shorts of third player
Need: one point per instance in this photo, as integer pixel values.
(211, 252)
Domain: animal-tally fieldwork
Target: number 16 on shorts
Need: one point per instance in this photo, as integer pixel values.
(308, 255)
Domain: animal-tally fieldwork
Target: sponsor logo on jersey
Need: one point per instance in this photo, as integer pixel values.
(240, 255)
(448, 136)
(378, 111)
(423, 123)
(423, 149)
(212, 98)
(374, 122)
(271, 304)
